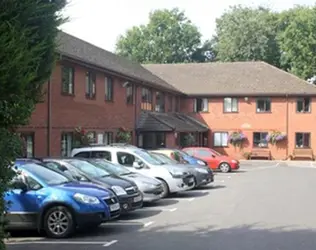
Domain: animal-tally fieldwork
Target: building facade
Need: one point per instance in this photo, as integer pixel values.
(169, 105)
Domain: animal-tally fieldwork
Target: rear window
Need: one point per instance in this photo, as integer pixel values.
(83, 155)
(101, 154)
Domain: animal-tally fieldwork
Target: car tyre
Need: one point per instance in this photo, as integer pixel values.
(59, 222)
(224, 167)
(165, 189)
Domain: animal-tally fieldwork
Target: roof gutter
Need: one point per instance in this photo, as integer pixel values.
(251, 95)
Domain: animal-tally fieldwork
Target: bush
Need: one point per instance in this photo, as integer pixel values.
(28, 31)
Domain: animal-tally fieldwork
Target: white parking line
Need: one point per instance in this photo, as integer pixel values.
(103, 243)
(147, 224)
(169, 209)
(110, 243)
(190, 199)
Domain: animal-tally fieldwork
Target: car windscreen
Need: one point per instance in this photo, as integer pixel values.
(49, 177)
(89, 168)
(148, 157)
(165, 159)
(110, 167)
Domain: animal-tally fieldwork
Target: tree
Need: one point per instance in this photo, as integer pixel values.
(169, 37)
(246, 34)
(298, 41)
(28, 31)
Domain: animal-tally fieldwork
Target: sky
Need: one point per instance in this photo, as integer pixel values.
(101, 22)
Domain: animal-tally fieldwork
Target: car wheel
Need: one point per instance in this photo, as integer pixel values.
(59, 222)
(165, 189)
(225, 167)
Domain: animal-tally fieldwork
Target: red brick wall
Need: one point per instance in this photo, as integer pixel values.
(249, 121)
(69, 112)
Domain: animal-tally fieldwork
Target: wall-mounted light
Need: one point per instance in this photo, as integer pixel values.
(125, 84)
(246, 99)
(175, 134)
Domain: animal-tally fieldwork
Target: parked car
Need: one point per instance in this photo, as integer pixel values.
(150, 187)
(214, 159)
(203, 175)
(180, 156)
(43, 199)
(173, 179)
(129, 196)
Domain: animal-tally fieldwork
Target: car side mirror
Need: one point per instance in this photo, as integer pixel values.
(213, 156)
(20, 185)
(137, 165)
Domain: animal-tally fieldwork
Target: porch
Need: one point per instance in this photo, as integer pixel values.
(171, 130)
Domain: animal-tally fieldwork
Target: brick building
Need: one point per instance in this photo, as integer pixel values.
(163, 104)
(254, 97)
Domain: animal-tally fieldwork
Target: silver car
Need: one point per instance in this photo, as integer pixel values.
(151, 188)
(203, 175)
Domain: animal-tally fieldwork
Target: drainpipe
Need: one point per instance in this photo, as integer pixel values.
(49, 116)
(135, 114)
(287, 124)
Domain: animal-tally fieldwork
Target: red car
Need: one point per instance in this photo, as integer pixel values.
(214, 159)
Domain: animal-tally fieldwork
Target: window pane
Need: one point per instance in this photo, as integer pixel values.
(306, 141)
(306, 104)
(87, 83)
(204, 104)
(217, 139)
(224, 139)
(267, 105)
(259, 139)
(227, 104)
(234, 105)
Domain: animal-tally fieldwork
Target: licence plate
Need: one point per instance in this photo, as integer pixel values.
(115, 207)
(137, 199)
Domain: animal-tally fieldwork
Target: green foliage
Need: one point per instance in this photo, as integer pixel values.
(298, 41)
(169, 37)
(123, 136)
(247, 34)
(28, 31)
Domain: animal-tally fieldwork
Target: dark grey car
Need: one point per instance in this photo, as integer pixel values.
(203, 175)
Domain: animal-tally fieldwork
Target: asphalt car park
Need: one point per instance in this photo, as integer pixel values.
(264, 205)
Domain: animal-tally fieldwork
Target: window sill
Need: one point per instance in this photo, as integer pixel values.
(230, 112)
(67, 94)
(297, 112)
(263, 112)
(257, 147)
(303, 148)
(109, 101)
(90, 97)
(201, 112)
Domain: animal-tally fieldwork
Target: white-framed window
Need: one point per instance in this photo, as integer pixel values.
(230, 105)
(108, 138)
(220, 139)
(200, 105)
(66, 143)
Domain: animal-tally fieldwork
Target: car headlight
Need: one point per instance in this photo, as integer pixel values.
(176, 174)
(118, 190)
(234, 161)
(148, 185)
(202, 163)
(86, 199)
(201, 170)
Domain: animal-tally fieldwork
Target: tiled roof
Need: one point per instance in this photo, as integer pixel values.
(78, 49)
(168, 122)
(231, 78)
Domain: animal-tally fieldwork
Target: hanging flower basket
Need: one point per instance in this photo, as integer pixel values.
(82, 138)
(123, 136)
(275, 136)
(237, 138)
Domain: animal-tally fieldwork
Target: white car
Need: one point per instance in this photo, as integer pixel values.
(174, 179)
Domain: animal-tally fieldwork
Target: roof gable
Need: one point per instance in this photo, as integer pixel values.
(232, 78)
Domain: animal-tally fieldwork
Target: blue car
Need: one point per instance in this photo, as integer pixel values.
(43, 199)
(183, 155)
